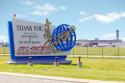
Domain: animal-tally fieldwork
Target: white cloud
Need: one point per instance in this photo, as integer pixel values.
(21, 16)
(37, 8)
(123, 38)
(45, 9)
(109, 36)
(83, 19)
(63, 8)
(3, 38)
(108, 18)
(82, 13)
(28, 2)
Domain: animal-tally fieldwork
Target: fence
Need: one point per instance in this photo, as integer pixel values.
(109, 52)
(4, 50)
(117, 52)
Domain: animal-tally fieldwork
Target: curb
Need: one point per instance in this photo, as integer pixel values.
(57, 78)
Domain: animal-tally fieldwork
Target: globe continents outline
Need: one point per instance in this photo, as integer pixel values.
(64, 37)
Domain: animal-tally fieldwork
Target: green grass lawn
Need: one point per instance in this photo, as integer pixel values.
(100, 69)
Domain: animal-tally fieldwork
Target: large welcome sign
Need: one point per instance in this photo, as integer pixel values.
(30, 40)
(42, 42)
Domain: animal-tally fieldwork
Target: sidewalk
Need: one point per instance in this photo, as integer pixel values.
(57, 78)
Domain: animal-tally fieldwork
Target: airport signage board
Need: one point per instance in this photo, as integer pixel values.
(29, 39)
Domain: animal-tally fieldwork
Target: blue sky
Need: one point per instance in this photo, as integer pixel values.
(92, 18)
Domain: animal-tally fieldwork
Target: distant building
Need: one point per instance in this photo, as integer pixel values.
(99, 43)
(4, 44)
(1, 44)
(117, 34)
(102, 43)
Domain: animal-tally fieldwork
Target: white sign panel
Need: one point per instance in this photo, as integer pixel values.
(29, 39)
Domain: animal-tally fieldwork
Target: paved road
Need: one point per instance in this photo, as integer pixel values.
(6, 77)
(16, 79)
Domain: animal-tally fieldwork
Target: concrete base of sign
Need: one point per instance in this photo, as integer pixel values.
(56, 64)
(39, 60)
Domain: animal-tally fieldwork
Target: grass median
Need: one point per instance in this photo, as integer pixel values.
(99, 69)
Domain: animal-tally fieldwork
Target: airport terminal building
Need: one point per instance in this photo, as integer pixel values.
(99, 43)
(102, 43)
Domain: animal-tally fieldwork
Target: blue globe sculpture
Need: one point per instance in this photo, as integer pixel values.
(64, 37)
